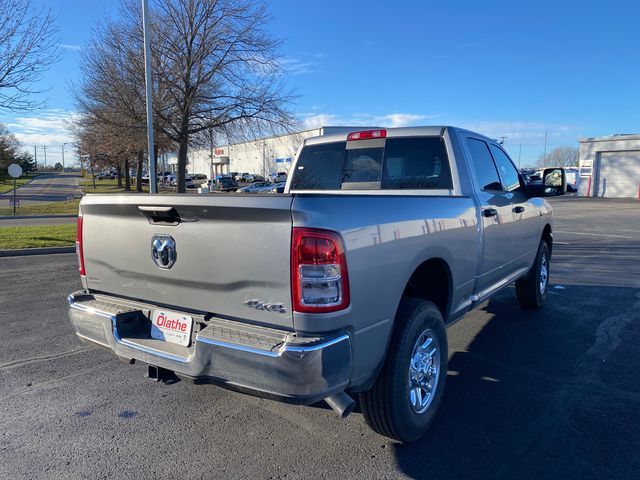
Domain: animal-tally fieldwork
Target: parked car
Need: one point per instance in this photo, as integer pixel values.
(343, 288)
(195, 180)
(247, 178)
(226, 184)
(280, 177)
(277, 187)
(255, 187)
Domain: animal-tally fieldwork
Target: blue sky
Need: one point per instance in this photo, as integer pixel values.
(514, 69)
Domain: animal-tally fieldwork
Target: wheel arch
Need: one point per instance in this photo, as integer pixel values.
(432, 281)
(547, 236)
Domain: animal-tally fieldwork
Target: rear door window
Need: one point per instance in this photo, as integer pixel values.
(508, 172)
(484, 167)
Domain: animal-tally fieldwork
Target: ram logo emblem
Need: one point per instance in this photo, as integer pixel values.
(163, 251)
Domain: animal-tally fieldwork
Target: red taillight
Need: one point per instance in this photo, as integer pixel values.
(366, 135)
(319, 279)
(79, 250)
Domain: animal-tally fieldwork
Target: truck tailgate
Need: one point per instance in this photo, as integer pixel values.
(230, 249)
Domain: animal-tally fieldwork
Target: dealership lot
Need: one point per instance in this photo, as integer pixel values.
(530, 394)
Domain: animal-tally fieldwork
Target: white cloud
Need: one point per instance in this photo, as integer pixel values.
(67, 46)
(319, 120)
(526, 133)
(306, 62)
(50, 128)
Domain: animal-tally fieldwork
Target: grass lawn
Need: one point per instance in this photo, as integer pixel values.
(37, 236)
(6, 184)
(49, 208)
(107, 186)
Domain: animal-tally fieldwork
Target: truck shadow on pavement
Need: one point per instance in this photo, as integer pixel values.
(539, 394)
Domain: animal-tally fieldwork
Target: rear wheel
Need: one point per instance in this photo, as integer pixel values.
(531, 290)
(403, 402)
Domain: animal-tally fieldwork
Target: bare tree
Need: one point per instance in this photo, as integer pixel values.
(215, 70)
(111, 93)
(218, 69)
(564, 156)
(28, 46)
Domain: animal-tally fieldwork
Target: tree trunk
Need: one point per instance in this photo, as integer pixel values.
(127, 180)
(119, 174)
(139, 171)
(182, 163)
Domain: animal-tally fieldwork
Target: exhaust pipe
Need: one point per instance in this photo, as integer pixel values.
(341, 403)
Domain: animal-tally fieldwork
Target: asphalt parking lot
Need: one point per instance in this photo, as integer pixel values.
(548, 394)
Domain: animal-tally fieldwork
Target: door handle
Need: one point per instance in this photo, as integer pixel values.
(518, 209)
(489, 212)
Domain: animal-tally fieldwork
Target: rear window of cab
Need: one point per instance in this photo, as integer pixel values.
(404, 163)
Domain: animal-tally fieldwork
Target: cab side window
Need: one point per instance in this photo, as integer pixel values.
(508, 171)
(484, 167)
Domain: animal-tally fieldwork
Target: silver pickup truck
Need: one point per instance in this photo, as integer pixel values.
(342, 285)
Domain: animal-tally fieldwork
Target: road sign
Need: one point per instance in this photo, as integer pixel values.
(15, 170)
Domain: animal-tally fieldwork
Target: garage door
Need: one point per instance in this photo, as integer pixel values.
(618, 175)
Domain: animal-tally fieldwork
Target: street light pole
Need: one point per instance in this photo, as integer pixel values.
(44, 147)
(148, 87)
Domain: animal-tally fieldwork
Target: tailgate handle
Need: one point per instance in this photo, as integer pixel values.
(160, 214)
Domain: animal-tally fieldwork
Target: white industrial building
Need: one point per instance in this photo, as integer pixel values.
(264, 156)
(610, 166)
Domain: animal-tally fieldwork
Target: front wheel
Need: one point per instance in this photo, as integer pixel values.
(403, 402)
(531, 290)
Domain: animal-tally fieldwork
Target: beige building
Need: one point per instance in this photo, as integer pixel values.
(610, 166)
(264, 156)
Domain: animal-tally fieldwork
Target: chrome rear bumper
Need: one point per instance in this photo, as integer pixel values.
(256, 360)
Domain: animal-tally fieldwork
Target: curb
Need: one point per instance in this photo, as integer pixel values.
(19, 252)
(28, 217)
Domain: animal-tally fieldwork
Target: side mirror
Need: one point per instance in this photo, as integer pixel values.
(552, 184)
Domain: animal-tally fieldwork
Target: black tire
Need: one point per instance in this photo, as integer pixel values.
(529, 291)
(386, 407)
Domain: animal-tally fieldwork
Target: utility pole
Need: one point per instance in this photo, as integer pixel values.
(544, 157)
(35, 156)
(153, 188)
(44, 147)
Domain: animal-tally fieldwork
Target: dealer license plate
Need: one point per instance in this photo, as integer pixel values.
(173, 327)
